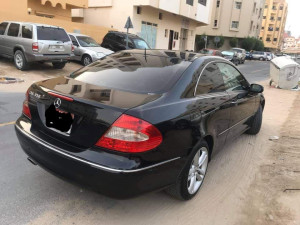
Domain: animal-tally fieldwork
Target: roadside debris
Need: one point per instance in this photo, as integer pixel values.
(10, 80)
(273, 138)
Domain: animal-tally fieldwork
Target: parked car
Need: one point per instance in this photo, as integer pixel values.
(241, 54)
(249, 56)
(258, 55)
(86, 49)
(231, 56)
(30, 42)
(212, 52)
(270, 56)
(116, 41)
(150, 124)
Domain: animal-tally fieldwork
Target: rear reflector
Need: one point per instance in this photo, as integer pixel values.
(61, 96)
(35, 47)
(131, 135)
(26, 110)
(73, 48)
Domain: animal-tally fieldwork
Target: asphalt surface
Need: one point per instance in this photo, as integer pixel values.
(28, 191)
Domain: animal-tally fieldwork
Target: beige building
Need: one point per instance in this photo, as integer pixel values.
(164, 24)
(273, 24)
(52, 12)
(234, 18)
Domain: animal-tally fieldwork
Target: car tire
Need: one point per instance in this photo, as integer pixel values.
(256, 122)
(86, 60)
(261, 59)
(20, 60)
(183, 189)
(59, 65)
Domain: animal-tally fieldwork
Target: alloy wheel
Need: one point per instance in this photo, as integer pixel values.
(19, 60)
(197, 170)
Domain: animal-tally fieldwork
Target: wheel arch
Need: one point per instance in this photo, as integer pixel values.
(210, 142)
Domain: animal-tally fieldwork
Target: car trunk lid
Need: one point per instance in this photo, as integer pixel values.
(86, 111)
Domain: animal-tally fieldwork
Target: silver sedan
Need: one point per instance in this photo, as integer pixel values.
(86, 49)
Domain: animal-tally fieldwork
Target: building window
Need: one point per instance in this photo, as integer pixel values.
(274, 7)
(259, 15)
(235, 24)
(260, 38)
(277, 28)
(275, 39)
(268, 39)
(270, 29)
(272, 18)
(264, 17)
(266, 6)
(281, 7)
(254, 7)
(202, 2)
(138, 10)
(218, 3)
(176, 36)
(279, 18)
(238, 5)
(215, 23)
(262, 28)
(160, 16)
(166, 33)
(190, 2)
(257, 27)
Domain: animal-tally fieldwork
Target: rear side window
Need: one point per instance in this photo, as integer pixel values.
(3, 28)
(13, 30)
(210, 81)
(109, 37)
(52, 34)
(74, 41)
(27, 31)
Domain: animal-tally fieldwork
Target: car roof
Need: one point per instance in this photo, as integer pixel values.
(76, 34)
(124, 33)
(36, 24)
(184, 55)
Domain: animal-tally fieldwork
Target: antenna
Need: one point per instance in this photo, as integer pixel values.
(146, 54)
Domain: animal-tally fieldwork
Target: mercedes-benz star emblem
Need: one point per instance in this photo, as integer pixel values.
(57, 103)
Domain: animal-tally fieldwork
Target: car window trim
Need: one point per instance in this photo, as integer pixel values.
(202, 73)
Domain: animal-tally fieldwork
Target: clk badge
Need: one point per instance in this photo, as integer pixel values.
(57, 103)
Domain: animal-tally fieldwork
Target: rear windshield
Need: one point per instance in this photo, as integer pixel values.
(52, 34)
(237, 50)
(134, 72)
(206, 51)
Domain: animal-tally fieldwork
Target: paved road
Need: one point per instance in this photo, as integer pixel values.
(255, 71)
(29, 193)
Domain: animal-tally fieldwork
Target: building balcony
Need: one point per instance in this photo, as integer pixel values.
(77, 13)
(64, 3)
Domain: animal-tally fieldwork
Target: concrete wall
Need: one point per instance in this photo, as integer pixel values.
(16, 10)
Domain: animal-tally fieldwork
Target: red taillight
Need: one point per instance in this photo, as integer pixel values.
(130, 134)
(35, 47)
(26, 110)
(73, 48)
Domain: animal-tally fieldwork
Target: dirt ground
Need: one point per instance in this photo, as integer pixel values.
(252, 181)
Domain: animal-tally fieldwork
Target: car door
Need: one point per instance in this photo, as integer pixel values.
(77, 49)
(3, 27)
(213, 102)
(13, 38)
(243, 104)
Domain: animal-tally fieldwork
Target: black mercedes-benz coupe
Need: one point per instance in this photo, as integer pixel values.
(139, 121)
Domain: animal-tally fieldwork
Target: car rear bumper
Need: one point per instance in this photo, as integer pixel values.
(117, 183)
(48, 57)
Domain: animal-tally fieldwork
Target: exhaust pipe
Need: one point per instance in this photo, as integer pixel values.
(32, 161)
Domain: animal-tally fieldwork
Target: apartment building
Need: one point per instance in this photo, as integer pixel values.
(234, 19)
(164, 24)
(273, 24)
(52, 12)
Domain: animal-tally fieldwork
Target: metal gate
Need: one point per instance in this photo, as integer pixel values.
(149, 33)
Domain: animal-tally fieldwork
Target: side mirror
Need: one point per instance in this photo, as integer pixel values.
(256, 88)
(75, 44)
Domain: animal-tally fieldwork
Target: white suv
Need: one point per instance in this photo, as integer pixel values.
(241, 54)
(30, 42)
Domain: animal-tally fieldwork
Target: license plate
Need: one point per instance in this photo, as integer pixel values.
(59, 119)
(56, 47)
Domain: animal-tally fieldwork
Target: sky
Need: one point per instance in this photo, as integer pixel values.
(293, 17)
